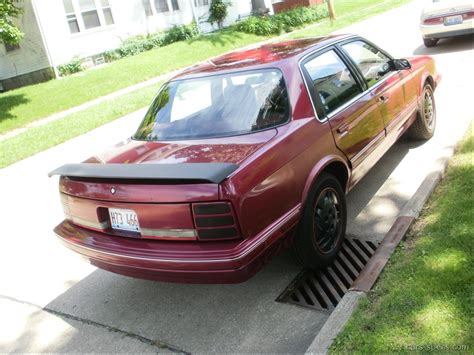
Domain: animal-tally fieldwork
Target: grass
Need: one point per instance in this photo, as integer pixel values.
(37, 139)
(424, 299)
(24, 105)
(32, 102)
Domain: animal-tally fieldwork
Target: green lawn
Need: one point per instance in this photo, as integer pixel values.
(37, 139)
(24, 105)
(21, 106)
(423, 300)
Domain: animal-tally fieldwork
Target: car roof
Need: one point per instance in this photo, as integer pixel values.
(272, 54)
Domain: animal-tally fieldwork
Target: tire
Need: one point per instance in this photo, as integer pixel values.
(430, 42)
(424, 126)
(318, 240)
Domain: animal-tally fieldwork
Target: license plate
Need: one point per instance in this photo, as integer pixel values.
(453, 20)
(123, 219)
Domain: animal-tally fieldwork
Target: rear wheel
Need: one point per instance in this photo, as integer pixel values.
(323, 225)
(424, 126)
(430, 42)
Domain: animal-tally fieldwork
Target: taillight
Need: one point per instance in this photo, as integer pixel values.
(434, 21)
(215, 221)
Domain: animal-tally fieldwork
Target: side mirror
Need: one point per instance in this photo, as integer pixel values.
(399, 64)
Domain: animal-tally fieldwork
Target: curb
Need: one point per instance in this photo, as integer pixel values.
(369, 275)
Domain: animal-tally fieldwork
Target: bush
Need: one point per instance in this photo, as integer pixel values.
(282, 22)
(180, 33)
(74, 66)
(218, 12)
(133, 45)
(140, 43)
(112, 55)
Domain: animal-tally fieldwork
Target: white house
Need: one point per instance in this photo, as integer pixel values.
(56, 31)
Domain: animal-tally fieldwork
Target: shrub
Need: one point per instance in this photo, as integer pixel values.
(74, 66)
(218, 12)
(137, 44)
(282, 22)
(180, 33)
(112, 55)
(133, 45)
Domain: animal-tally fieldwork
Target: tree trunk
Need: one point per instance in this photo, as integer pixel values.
(332, 13)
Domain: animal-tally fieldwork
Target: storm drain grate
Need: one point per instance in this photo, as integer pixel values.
(323, 289)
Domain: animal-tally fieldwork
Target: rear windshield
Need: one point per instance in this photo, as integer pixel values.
(217, 106)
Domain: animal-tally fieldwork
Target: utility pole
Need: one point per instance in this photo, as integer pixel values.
(332, 13)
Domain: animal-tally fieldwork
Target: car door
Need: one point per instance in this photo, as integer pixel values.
(386, 85)
(341, 99)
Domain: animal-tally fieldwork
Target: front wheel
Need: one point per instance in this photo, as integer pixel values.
(424, 126)
(323, 224)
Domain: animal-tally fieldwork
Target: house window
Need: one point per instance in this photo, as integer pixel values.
(201, 2)
(89, 14)
(11, 47)
(175, 5)
(82, 15)
(71, 16)
(109, 19)
(161, 6)
(147, 6)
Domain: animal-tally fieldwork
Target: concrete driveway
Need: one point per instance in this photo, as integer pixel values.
(52, 301)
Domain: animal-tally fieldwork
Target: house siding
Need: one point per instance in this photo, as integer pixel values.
(30, 57)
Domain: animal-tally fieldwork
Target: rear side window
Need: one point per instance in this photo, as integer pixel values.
(217, 106)
(332, 80)
(372, 63)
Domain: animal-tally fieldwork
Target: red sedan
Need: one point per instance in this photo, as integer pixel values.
(242, 156)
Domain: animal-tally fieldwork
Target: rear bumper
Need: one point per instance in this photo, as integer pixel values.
(442, 31)
(181, 262)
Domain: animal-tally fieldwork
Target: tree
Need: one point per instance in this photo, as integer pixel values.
(9, 32)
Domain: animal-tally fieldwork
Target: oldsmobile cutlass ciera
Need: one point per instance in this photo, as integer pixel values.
(243, 155)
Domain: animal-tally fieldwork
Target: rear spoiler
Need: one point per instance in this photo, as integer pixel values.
(197, 172)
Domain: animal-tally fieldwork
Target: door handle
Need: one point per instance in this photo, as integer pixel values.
(383, 98)
(342, 131)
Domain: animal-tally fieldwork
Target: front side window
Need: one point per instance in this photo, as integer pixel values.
(372, 63)
(332, 80)
(217, 106)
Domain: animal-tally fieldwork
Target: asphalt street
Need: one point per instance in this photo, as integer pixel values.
(53, 301)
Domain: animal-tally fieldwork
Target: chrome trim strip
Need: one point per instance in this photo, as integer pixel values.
(264, 236)
(86, 223)
(177, 233)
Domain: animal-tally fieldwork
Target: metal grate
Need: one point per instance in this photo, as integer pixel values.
(323, 289)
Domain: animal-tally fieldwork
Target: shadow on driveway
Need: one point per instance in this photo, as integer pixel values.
(448, 45)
